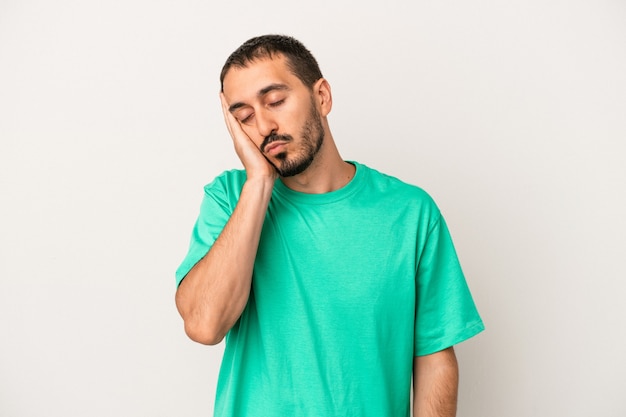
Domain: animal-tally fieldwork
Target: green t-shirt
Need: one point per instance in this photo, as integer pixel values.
(347, 287)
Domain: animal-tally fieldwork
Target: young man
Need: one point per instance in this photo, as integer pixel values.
(332, 283)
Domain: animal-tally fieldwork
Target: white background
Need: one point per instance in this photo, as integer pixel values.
(512, 115)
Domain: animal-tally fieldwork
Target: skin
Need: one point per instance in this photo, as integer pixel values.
(258, 100)
(435, 384)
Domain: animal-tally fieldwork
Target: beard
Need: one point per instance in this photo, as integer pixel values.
(312, 136)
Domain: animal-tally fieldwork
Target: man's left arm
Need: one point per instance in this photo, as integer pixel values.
(435, 384)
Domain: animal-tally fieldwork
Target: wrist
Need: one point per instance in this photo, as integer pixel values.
(261, 183)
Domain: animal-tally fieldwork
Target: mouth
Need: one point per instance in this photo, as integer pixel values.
(275, 147)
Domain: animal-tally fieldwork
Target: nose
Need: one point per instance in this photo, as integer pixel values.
(265, 123)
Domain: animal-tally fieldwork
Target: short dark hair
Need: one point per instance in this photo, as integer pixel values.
(299, 59)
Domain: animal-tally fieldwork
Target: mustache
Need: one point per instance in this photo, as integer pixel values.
(273, 137)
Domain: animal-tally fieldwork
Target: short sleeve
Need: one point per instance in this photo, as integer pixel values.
(218, 203)
(445, 311)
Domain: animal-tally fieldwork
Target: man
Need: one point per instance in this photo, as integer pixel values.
(332, 283)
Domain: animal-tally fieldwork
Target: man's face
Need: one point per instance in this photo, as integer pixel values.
(277, 112)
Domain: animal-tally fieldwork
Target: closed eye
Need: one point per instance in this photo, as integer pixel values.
(247, 119)
(277, 103)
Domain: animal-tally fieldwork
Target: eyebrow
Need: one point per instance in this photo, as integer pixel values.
(263, 91)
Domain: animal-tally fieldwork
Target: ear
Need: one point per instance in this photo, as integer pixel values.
(323, 96)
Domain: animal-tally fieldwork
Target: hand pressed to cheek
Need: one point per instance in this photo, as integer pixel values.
(236, 131)
(228, 117)
(247, 151)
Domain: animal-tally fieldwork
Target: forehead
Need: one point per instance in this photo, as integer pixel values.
(243, 84)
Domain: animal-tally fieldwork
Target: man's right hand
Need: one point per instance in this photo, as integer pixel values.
(255, 164)
(215, 291)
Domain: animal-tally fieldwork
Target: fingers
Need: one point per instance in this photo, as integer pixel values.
(230, 120)
(234, 128)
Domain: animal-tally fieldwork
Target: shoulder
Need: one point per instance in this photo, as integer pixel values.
(228, 181)
(394, 188)
(226, 187)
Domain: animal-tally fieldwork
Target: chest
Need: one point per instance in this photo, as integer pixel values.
(329, 259)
